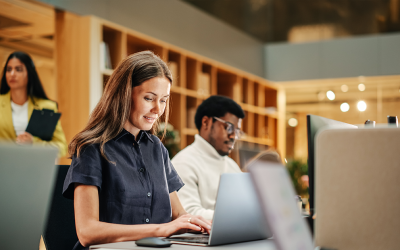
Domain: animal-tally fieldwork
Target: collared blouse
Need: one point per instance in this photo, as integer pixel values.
(134, 185)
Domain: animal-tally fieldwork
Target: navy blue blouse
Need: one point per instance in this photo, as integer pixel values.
(135, 188)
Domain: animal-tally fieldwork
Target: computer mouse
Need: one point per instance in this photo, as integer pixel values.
(153, 242)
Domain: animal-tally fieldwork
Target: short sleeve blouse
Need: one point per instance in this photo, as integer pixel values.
(134, 185)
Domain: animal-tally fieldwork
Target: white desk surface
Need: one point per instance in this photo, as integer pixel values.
(250, 245)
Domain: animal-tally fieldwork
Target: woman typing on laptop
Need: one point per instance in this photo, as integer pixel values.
(121, 178)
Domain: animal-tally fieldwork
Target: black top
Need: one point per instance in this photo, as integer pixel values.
(135, 188)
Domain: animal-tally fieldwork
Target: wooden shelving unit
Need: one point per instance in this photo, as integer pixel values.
(196, 78)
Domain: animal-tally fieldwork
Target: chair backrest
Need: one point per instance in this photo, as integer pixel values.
(60, 232)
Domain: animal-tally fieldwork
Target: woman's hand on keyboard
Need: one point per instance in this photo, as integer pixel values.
(186, 223)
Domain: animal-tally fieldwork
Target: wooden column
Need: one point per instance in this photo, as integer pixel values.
(281, 131)
(72, 72)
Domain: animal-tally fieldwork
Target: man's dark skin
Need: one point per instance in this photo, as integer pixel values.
(214, 132)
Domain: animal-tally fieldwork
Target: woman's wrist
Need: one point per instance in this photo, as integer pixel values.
(182, 213)
(160, 230)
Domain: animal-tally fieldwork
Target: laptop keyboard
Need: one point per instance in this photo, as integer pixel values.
(200, 239)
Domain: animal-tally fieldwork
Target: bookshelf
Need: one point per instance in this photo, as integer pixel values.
(195, 78)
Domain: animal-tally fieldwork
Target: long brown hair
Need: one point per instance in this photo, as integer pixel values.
(110, 114)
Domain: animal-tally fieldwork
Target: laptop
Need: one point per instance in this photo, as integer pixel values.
(237, 218)
(276, 194)
(27, 176)
(237, 215)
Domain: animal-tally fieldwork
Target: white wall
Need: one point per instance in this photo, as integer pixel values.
(351, 57)
(180, 24)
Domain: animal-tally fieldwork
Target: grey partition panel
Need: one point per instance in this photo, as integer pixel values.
(357, 188)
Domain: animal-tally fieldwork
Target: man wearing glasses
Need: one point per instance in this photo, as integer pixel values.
(200, 165)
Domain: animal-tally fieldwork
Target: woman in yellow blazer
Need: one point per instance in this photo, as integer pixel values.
(20, 92)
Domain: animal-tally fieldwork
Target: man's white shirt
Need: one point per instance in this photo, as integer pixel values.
(200, 167)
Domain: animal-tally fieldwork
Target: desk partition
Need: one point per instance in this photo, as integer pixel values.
(357, 179)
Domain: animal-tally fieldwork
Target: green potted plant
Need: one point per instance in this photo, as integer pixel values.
(298, 171)
(171, 139)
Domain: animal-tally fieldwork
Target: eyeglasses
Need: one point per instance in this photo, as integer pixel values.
(230, 129)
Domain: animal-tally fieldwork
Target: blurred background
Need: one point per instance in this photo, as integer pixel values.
(305, 20)
(280, 59)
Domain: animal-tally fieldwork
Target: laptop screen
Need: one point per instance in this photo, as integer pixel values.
(277, 198)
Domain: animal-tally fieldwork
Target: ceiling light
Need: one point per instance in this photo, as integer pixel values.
(330, 95)
(361, 87)
(344, 107)
(293, 122)
(362, 106)
(344, 88)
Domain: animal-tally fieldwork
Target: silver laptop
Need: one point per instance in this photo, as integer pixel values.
(27, 176)
(276, 195)
(237, 215)
(237, 218)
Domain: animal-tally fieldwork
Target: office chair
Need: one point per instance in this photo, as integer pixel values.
(60, 232)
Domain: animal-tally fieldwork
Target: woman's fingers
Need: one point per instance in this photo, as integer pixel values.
(202, 223)
(190, 222)
(193, 227)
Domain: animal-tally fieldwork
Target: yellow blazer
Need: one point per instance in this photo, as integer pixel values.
(7, 132)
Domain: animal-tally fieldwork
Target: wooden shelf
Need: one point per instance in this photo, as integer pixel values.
(262, 141)
(258, 110)
(190, 131)
(195, 78)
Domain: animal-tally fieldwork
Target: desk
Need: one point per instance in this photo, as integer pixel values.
(250, 245)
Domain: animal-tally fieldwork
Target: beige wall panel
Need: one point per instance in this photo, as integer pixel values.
(47, 78)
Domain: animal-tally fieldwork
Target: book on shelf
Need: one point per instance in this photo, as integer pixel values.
(173, 67)
(191, 112)
(271, 110)
(204, 83)
(105, 57)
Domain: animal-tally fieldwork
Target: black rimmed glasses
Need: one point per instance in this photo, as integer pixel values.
(230, 129)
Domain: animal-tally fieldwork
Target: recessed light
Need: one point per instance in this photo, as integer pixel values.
(293, 122)
(362, 106)
(330, 95)
(344, 107)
